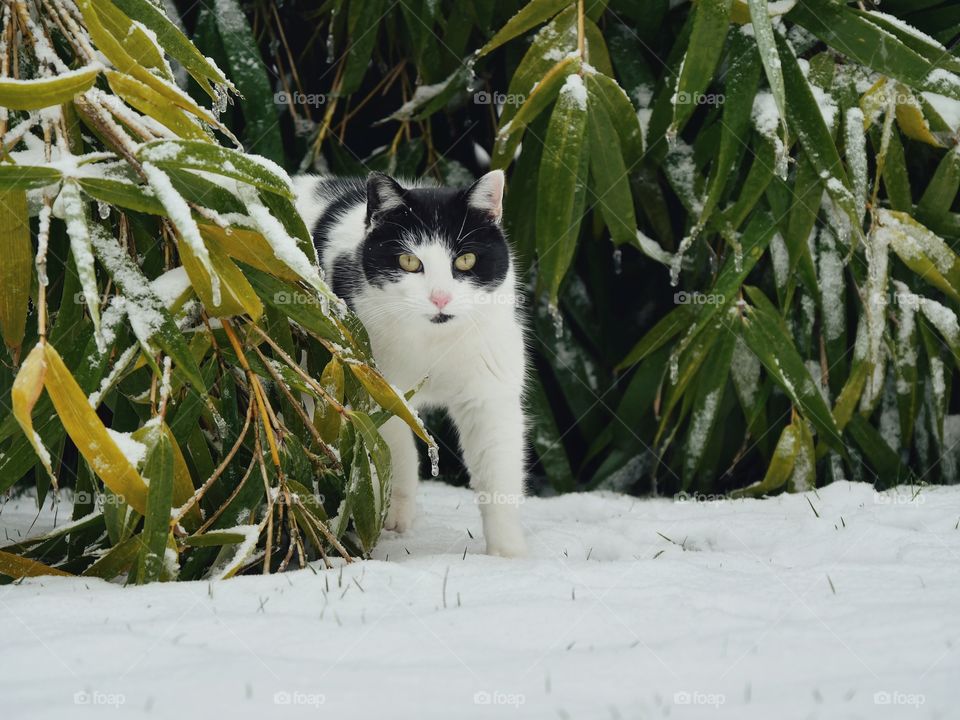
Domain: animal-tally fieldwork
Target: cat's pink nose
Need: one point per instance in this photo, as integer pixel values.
(440, 298)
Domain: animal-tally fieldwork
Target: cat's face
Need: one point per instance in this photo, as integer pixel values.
(435, 255)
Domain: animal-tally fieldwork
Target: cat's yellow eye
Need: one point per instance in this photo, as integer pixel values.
(465, 262)
(410, 263)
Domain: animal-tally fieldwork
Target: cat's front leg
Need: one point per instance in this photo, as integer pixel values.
(491, 437)
(405, 464)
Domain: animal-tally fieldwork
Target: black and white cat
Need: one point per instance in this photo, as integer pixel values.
(429, 272)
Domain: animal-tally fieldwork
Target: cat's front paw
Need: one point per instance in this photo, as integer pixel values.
(512, 548)
(400, 515)
(505, 539)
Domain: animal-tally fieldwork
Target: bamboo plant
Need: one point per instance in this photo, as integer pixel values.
(173, 354)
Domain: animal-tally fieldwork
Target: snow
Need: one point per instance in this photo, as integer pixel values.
(947, 108)
(906, 27)
(180, 216)
(284, 247)
(577, 91)
(170, 286)
(628, 608)
(133, 450)
(943, 81)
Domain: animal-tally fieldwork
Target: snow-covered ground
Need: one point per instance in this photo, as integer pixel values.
(627, 608)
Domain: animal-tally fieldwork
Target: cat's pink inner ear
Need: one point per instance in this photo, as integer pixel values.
(487, 194)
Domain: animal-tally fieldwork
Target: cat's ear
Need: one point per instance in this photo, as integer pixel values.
(486, 194)
(383, 193)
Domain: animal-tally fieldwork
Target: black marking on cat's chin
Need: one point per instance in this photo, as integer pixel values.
(446, 215)
(440, 318)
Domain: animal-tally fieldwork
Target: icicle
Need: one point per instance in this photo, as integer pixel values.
(674, 366)
(557, 318)
(434, 454)
(222, 99)
(617, 260)
(104, 209)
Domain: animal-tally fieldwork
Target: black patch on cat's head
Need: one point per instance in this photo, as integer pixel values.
(398, 219)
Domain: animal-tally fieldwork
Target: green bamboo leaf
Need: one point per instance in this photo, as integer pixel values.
(915, 39)
(611, 184)
(742, 80)
(706, 404)
(207, 157)
(765, 336)
(814, 135)
(780, 467)
(27, 177)
(363, 22)
(860, 38)
(556, 39)
(606, 93)
(942, 191)
(511, 132)
(766, 42)
(47, 92)
(546, 438)
(214, 538)
(428, 99)
(529, 16)
(16, 270)
(365, 498)
(121, 193)
(158, 472)
(711, 20)
(884, 461)
(261, 132)
(118, 559)
(562, 186)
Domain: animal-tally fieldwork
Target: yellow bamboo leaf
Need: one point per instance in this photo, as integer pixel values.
(38, 94)
(89, 434)
(132, 36)
(17, 567)
(148, 101)
(388, 398)
(124, 62)
(236, 294)
(15, 270)
(23, 396)
(911, 120)
(250, 247)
